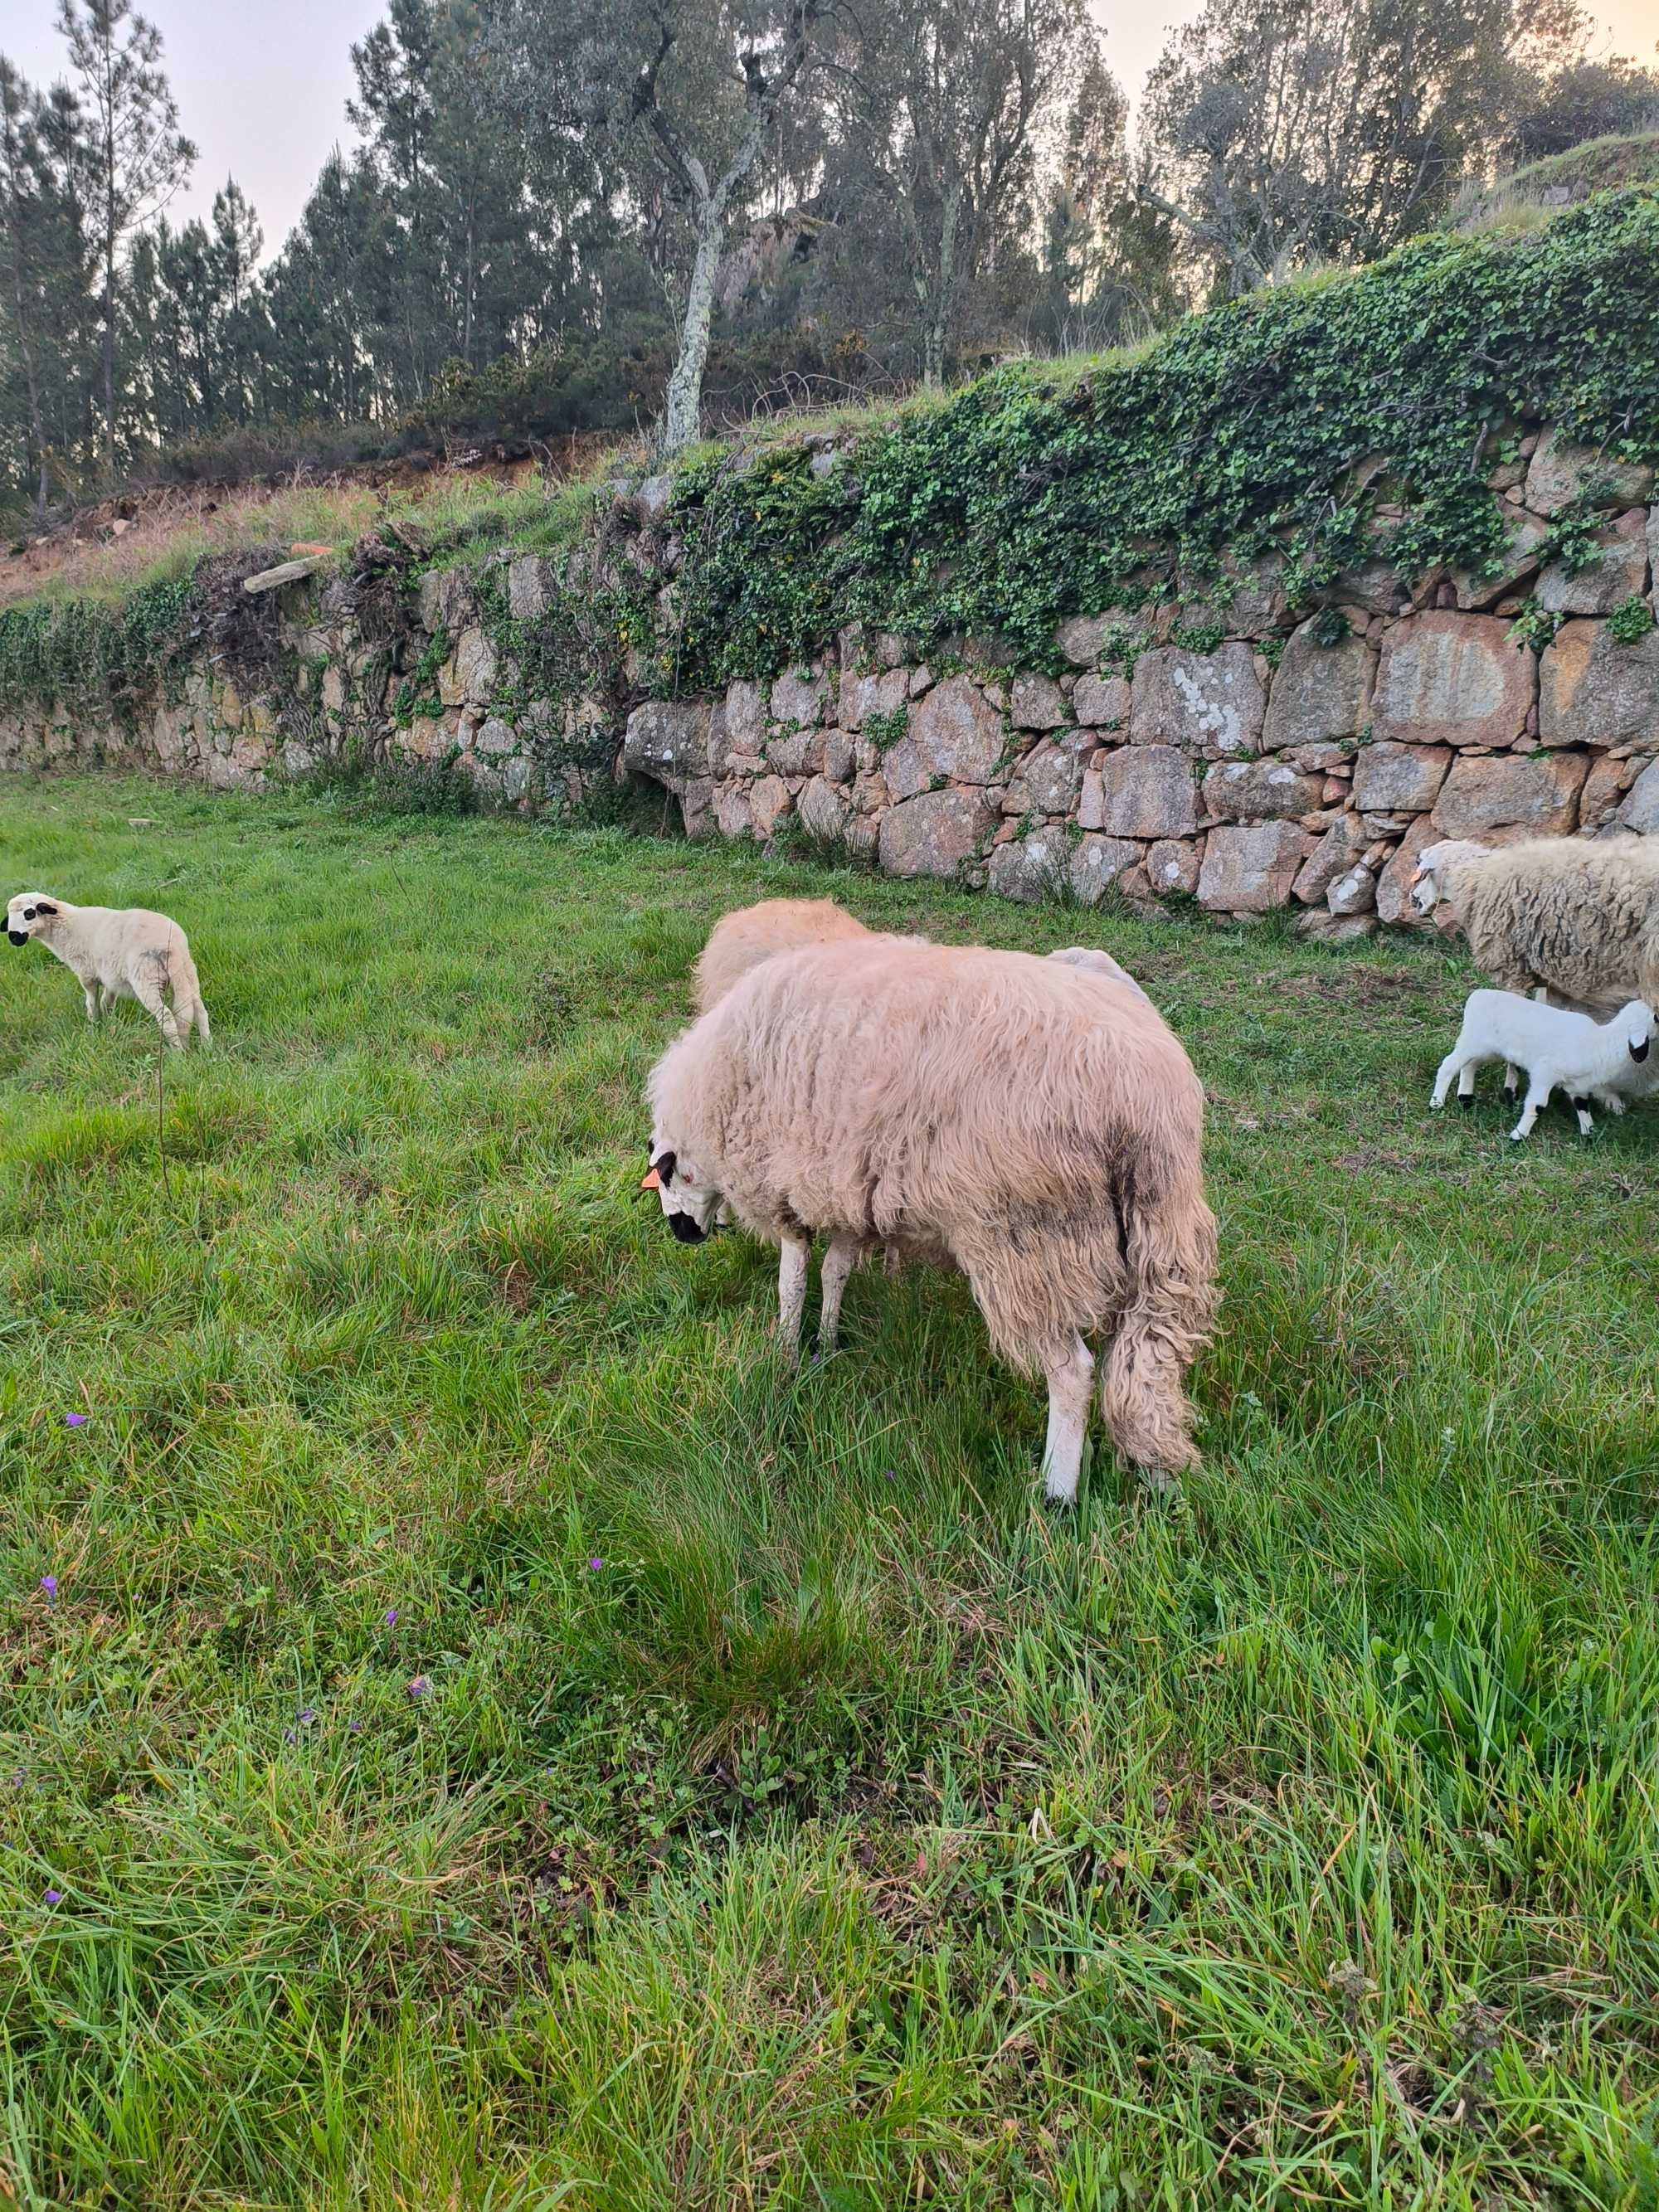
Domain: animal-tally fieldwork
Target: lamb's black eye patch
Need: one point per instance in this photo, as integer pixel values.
(665, 1164)
(29, 914)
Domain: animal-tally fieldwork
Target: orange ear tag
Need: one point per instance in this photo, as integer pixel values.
(652, 1182)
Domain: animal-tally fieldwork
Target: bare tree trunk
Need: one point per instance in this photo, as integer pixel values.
(682, 414)
(109, 337)
(471, 271)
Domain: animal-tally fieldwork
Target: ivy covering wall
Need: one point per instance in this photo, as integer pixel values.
(1019, 502)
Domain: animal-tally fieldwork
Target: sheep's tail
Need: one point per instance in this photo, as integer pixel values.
(188, 1010)
(1168, 1239)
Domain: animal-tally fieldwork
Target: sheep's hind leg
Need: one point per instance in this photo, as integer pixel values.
(95, 997)
(793, 1259)
(839, 1262)
(1581, 1107)
(148, 995)
(1070, 1382)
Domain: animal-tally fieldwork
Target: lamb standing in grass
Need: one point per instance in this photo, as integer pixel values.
(1039, 1127)
(1560, 1050)
(118, 952)
(1579, 916)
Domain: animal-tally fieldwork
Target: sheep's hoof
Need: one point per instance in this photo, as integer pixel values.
(1466, 1099)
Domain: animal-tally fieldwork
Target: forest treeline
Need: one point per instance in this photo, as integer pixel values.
(557, 215)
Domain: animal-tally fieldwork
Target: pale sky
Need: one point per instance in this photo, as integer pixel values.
(262, 84)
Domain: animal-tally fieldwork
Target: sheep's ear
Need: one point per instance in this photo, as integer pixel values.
(45, 907)
(664, 1165)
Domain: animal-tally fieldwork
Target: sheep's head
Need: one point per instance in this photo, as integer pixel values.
(27, 914)
(689, 1204)
(1425, 888)
(1635, 1025)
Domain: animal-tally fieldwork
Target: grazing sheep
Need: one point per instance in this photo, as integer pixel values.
(1093, 962)
(1560, 1050)
(740, 941)
(118, 952)
(1577, 916)
(1039, 1128)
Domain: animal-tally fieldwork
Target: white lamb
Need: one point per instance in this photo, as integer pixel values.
(118, 952)
(1558, 1049)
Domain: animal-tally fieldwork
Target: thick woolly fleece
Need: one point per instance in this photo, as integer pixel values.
(1034, 1124)
(741, 941)
(1579, 915)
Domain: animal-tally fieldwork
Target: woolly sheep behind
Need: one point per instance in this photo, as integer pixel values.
(1560, 1050)
(1093, 962)
(118, 952)
(1040, 1128)
(1578, 917)
(742, 939)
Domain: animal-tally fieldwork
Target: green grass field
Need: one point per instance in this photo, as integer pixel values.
(498, 1740)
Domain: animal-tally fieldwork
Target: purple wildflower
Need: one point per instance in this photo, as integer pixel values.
(54, 1897)
(392, 1617)
(307, 1716)
(418, 1684)
(75, 1421)
(355, 1727)
(887, 1475)
(49, 1583)
(594, 1567)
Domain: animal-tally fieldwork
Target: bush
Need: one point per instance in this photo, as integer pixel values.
(253, 453)
(396, 787)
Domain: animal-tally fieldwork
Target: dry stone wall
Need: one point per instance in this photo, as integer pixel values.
(1297, 764)
(1272, 757)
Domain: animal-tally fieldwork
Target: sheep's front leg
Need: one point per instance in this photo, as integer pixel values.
(793, 1261)
(1071, 1380)
(1538, 1097)
(95, 997)
(1452, 1064)
(839, 1262)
